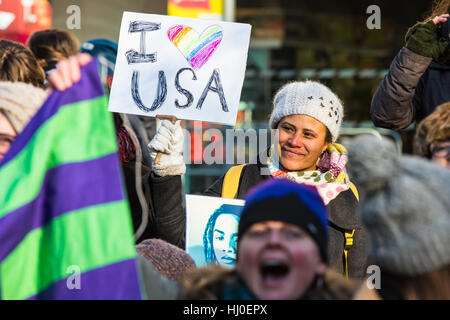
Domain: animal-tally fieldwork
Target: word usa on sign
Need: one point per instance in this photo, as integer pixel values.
(189, 68)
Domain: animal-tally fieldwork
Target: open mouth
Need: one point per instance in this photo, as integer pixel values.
(274, 272)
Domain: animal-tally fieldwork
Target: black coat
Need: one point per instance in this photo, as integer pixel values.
(412, 89)
(343, 216)
(167, 204)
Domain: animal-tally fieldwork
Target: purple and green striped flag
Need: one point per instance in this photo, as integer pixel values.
(65, 224)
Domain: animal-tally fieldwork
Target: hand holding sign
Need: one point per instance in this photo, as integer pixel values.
(192, 69)
(166, 149)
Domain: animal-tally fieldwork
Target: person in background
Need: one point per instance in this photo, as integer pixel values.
(18, 64)
(432, 139)
(419, 76)
(405, 206)
(52, 45)
(281, 251)
(18, 103)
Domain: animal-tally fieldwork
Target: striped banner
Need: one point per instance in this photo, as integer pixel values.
(65, 226)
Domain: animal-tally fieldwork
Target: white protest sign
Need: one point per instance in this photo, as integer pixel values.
(192, 69)
(211, 229)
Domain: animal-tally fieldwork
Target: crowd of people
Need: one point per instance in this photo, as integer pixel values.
(322, 214)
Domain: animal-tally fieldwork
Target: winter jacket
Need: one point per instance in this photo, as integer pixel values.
(343, 216)
(219, 283)
(414, 86)
(167, 200)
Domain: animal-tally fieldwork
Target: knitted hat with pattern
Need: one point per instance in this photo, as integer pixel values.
(168, 259)
(309, 98)
(404, 203)
(19, 102)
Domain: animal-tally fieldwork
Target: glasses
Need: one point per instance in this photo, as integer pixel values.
(5, 141)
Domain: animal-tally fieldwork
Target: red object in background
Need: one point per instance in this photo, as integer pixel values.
(196, 4)
(20, 18)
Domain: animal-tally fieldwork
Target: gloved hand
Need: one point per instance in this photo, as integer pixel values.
(423, 39)
(169, 141)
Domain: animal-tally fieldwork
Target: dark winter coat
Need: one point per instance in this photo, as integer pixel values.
(412, 89)
(219, 283)
(343, 216)
(167, 200)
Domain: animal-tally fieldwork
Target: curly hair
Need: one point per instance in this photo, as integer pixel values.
(18, 64)
(439, 7)
(434, 128)
(208, 249)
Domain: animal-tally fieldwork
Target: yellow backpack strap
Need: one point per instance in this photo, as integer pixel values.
(348, 244)
(230, 184)
(355, 191)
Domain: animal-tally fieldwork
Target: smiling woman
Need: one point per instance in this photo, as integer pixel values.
(308, 116)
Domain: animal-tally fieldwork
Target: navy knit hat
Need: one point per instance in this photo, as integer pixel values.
(290, 202)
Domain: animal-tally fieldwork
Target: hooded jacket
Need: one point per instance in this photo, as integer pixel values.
(414, 86)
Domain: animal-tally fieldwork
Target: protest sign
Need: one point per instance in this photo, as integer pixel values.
(192, 69)
(211, 229)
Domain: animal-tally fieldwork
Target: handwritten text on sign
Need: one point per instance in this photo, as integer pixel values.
(190, 68)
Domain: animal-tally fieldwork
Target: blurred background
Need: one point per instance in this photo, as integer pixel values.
(322, 40)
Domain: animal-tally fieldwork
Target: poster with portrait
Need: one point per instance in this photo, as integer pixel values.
(211, 229)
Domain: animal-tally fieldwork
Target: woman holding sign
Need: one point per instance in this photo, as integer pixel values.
(308, 116)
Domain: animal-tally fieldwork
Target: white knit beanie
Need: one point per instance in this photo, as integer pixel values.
(19, 102)
(309, 98)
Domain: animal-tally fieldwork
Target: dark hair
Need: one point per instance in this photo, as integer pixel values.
(328, 137)
(208, 249)
(50, 46)
(434, 285)
(18, 64)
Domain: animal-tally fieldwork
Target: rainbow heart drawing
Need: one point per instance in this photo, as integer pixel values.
(197, 49)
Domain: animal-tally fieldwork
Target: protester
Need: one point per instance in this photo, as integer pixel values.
(281, 251)
(405, 207)
(419, 76)
(432, 139)
(18, 103)
(308, 116)
(52, 45)
(106, 51)
(147, 222)
(17, 63)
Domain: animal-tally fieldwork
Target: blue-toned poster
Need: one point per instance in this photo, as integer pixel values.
(211, 229)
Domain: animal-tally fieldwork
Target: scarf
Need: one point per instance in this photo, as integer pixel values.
(330, 178)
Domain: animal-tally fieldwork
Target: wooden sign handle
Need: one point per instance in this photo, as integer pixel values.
(162, 117)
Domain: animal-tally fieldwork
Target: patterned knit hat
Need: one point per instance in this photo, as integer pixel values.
(19, 102)
(168, 259)
(405, 206)
(309, 98)
(290, 202)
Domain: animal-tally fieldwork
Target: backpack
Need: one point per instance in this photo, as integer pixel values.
(230, 188)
